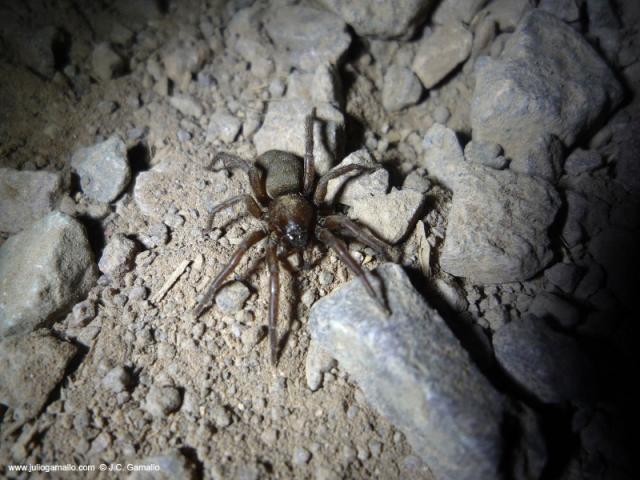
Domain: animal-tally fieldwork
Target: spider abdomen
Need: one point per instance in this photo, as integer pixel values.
(283, 172)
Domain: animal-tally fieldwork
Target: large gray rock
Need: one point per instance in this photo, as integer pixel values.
(43, 271)
(547, 364)
(103, 169)
(456, 11)
(283, 129)
(390, 216)
(350, 188)
(497, 226)
(307, 37)
(32, 366)
(548, 82)
(401, 88)
(26, 197)
(381, 19)
(412, 369)
(440, 52)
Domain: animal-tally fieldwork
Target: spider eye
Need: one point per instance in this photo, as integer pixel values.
(296, 235)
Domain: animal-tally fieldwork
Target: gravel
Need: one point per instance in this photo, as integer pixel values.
(118, 256)
(401, 88)
(231, 298)
(162, 401)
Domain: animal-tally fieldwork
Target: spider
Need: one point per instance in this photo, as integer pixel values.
(290, 204)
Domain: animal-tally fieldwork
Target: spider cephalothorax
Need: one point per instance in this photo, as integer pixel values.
(287, 199)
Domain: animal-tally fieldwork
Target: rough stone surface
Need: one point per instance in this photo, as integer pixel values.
(106, 63)
(389, 216)
(283, 129)
(562, 370)
(231, 298)
(318, 362)
(488, 154)
(27, 196)
(547, 304)
(456, 11)
(547, 81)
(401, 88)
(32, 366)
(350, 188)
(223, 127)
(565, 276)
(381, 19)
(117, 257)
(172, 464)
(497, 227)
(309, 36)
(43, 271)
(581, 161)
(447, 409)
(103, 169)
(161, 401)
(186, 105)
(117, 379)
(440, 52)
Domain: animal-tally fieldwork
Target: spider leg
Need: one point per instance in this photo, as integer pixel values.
(274, 298)
(250, 204)
(338, 245)
(321, 188)
(255, 174)
(212, 288)
(333, 222)
(309, 163)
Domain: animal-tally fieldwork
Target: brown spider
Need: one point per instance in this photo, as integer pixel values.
(290, 204)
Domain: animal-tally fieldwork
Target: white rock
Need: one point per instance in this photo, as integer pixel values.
(352, 187)
(440, 52)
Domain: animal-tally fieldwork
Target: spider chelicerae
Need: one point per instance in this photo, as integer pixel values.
(290, 204)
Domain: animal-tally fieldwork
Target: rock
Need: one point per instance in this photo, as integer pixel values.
(301, 456)
(283, 129)
(371, 18)
(186, 105)
(549, 305)
(581, 161)
(441, 114)
(507, 13)
(566, 10)
(318, 363)
(626, 149)
(43, 271)
(223, 127)
(220, 416)
(456, 11)
(565, 276)
(307, 37)
(155, 236)
(350, 188)
(105, 63)
(389, 216)
(488, 154)
(452, 294)
(103, 169)
(401, 88)
(440, 52)
(117, 379)
(32, 366)
(577, 207)
(591, 282)
(529, 341)
(167, 466)
(184, 60)
(497, 227)
(447, 410)
(547, 82)
(117, 257)
(161, 401)
(416, 181)
(231, 298)
(27, 196)
(83, 313)
(604, 25)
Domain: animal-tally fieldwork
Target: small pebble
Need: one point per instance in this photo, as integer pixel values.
(83, 313)
(325, 278)
(117, 380)
(301, 456)
(232, 298)
(161, 401)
